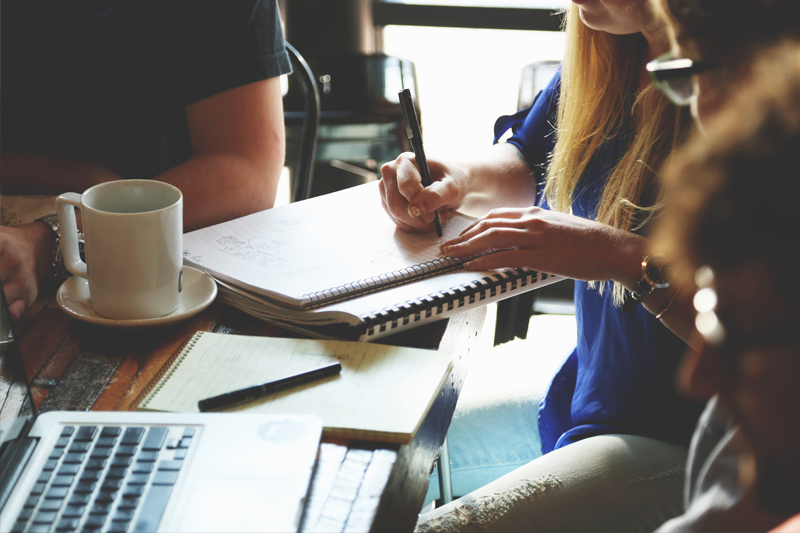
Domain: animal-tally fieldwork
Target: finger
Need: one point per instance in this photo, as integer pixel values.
(428, 200)
(440, 194)
(18, 297)
(382, 190)
(491, 239)
(491, 224)
(402, 225)
(451, 242)
(395, 204)
(389, 183)
(505, 213)
(15, 310)
(389, 212)
(501, 259)
(383, 202)
(397, 209)
(409, 179)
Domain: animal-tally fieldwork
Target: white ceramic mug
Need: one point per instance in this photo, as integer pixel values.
(133, 231)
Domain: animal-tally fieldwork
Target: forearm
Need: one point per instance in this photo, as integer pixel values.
(500, 178)
(221, 186)
(28, 173)
(239, 147)
(677, 312)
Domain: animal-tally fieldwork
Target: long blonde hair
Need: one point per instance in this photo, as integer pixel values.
(599, 92)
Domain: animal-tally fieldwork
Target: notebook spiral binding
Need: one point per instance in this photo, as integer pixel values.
(165, 372)
(384, 281)
(455, 297)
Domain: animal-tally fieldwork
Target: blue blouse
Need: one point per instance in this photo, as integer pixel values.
(621, 376)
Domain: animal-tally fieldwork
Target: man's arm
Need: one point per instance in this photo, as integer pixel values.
(29, 173)
(238, 147)
(238, 143)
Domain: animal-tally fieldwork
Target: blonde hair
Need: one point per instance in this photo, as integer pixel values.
(599, 93)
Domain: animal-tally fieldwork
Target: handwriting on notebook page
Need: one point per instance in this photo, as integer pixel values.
(312, 246)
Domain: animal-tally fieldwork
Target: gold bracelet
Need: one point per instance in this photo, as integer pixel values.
(659, 315)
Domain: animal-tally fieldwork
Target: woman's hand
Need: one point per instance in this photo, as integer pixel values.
(26, 255)
(411, 205)
(551, 242)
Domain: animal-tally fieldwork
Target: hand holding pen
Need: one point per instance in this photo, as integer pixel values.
(415, 136)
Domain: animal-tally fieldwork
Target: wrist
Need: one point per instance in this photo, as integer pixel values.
(54, 273)
(628, 260)
(656, 273)
(667, 307)
(42, 242)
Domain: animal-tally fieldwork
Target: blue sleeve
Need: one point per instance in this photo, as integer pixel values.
(533, 129)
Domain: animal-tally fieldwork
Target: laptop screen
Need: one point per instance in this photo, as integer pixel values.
(16, 405)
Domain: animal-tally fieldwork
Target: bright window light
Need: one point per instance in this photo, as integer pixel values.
(540, 4)
(467, 78)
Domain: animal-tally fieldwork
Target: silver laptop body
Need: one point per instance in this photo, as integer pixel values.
(136, 472)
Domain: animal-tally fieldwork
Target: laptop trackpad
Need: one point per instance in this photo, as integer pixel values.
(240, 504)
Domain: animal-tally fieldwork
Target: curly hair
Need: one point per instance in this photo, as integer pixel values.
(731, 32)
(728, 192)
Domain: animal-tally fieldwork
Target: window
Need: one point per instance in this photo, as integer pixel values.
(467, 78)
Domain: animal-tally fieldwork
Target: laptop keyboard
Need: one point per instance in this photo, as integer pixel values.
(346, 489)
(112, 479)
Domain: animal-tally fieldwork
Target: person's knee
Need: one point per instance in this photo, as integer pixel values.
(604, 483)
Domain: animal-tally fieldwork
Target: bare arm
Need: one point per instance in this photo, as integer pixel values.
(238, 144)
(28, 173)
(570, 246)
(680, 315)
(238, 153)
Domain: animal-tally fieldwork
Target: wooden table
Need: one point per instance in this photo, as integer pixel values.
(78, 366)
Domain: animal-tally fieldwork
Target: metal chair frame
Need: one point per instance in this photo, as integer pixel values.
(304, 171)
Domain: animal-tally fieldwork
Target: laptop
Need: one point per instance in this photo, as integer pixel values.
(143, 472)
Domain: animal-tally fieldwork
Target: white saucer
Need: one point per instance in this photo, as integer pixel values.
(199, 290)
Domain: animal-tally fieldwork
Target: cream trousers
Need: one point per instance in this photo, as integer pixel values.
(607, 483)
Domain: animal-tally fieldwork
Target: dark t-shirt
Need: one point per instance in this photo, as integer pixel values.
(110, 81)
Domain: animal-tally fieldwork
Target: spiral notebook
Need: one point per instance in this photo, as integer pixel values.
(337, 266)
(382, 393)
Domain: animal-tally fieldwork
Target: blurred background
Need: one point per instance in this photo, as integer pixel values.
(464, 61)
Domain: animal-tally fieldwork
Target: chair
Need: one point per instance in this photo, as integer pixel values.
(513, 314)
(302, 173)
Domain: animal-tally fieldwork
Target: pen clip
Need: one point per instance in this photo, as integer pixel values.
(405, 99)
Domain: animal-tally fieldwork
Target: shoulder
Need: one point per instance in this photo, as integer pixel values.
(533, 128)
(218, 46)
(790, 526)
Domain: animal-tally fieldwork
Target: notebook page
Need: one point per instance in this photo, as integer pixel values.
(308, 247)
(381, 389)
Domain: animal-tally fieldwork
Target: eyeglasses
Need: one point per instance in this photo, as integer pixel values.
(727, 341)
(673, 77)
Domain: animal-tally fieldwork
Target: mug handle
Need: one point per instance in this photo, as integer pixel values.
(65, 205)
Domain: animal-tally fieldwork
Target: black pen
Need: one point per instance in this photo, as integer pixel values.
(414, 134)
(257, 391)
